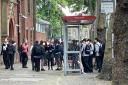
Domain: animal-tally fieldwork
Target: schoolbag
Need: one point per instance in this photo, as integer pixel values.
(11, 49)
(87, 49)
(100, 50)
(57, 48)
(37, 50)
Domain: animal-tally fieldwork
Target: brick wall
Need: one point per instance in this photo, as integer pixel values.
(26, 23)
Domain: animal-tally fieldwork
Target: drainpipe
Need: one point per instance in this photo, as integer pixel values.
(18, 32)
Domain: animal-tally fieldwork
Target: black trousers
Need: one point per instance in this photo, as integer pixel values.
(32, 62)
(87, 67)
(20, 56)
(24, 59)
(50, 60)
(82, 60)
(37, 64)
(58, 60)
(11, 59)
(99, 61)
(6, 60)
(91, 62)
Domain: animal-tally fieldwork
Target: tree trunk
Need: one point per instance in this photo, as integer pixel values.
(100, 22)
(120, 28)
(107, 65)
(97, 11)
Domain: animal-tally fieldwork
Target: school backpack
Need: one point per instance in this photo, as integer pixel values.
(57, 48)
(87, 49)
(10, 49)
(100, 50)
(37, 50)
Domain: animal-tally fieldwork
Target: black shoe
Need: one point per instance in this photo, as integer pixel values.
(6, 68)
(33, 69)
(99, 71)
(42, 69)
(25, 67)
(12, 69)
(48, 68)
(37, 70)
(57, 69)
(51, 68)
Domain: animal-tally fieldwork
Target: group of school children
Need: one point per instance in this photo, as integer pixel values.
(50, 53)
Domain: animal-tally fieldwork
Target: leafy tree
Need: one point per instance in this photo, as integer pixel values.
(48, 10)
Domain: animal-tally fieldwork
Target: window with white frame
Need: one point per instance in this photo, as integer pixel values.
(40, 27)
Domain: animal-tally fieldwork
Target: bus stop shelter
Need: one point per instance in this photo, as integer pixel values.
(72, 53)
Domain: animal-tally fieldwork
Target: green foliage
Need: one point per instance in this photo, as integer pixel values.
(48, 10)
(93, 2)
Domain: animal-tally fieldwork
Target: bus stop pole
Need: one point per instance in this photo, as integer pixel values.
(79, 33)
(79, 37)
(65, 49)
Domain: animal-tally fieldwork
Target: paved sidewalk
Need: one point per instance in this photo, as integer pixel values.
(25, 76)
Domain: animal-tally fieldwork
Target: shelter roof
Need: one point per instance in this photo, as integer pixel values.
(81, 20)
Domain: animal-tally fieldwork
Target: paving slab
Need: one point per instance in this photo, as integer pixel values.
(25, 76)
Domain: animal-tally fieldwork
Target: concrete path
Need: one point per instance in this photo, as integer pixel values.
(25, 76)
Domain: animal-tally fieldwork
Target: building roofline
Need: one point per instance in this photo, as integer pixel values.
(42, 21)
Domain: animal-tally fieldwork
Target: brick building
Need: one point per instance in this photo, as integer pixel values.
(42, 30)
(17, 20)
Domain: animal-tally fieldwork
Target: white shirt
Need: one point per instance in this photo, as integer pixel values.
(31, 49)
(97, 46)
(92, 48)
(5, 46)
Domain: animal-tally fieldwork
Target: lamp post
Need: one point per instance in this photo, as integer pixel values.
(18, 32)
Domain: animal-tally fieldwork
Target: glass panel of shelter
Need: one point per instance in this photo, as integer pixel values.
(73, 49)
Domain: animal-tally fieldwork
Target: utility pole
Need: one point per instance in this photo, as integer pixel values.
(49, 30)
(34, 20)
(18, 31)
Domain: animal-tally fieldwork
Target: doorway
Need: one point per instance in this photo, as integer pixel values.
(11, 29)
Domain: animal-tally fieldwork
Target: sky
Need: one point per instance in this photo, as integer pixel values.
(68, 11)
